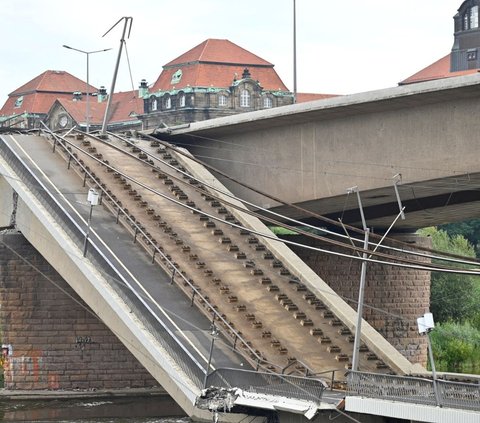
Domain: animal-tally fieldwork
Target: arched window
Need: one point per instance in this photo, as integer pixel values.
(470, 18)
(222, 100)
(168, 103)
(154, 104)
(181, 100)
(267, 102)
(244, 98)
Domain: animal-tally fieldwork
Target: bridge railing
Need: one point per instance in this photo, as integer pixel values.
(118, 283)
(414, 390)
(260, 383)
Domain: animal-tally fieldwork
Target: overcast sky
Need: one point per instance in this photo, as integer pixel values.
(343, 46)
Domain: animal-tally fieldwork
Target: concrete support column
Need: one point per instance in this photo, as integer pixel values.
(394, 296)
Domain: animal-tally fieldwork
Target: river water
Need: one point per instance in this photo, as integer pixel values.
(115, 410)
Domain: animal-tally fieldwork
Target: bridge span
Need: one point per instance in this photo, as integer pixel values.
(421, 136)
(163, 241)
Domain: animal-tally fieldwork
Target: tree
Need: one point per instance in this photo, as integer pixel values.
(470, 229)
(453, 297)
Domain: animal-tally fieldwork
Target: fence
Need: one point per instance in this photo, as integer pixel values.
(415, 390)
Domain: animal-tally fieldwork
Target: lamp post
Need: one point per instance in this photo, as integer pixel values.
(87, 89)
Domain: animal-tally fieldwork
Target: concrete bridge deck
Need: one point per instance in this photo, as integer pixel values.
(425, 132)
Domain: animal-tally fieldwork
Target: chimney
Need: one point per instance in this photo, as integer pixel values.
(77, 96)
(143, 88)
(102, 94)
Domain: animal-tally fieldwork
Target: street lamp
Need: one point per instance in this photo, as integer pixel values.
(87, 53)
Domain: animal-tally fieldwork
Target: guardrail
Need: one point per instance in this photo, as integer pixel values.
(414, 390)
(294, 387)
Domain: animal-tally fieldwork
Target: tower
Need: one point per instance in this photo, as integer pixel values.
(466, 46)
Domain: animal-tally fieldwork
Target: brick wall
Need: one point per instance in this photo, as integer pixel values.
(57, 342)
(397, 291)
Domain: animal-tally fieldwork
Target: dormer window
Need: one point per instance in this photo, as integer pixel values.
(222, 100)
(18, 102)
(267, 103)
(244, 98)
(168, 103)
(154, 104)
(181, 100)
(470, 18)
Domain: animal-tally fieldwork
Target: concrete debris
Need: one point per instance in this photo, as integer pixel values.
(217, 399)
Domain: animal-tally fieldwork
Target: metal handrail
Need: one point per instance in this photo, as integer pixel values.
(414, 390)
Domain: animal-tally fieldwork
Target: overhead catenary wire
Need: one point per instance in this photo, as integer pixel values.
(278, 200)
(269, 236)
(295, 229)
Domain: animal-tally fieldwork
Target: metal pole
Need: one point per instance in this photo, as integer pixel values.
(214, 334)
(88, 231)
(115, 72)
(87, 130)
(87, 88)
(434, 372)
(294, 52)
(358, 329)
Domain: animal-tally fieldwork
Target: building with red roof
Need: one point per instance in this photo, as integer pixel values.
(31, 102)
(124, 111)
(464, 58)
(215, 78)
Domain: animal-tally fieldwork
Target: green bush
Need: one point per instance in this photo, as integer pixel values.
(453, 296)
(456, 347)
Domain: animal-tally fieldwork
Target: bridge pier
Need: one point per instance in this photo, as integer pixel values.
(52, 340)
(394, 296)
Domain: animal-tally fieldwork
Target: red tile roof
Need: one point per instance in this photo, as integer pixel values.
(39, 103)
(124, 104)
(215, 63)
(53, 81)
(40, 93)
(304, 97)
(219, 51)
(438, 70)
(216, 75)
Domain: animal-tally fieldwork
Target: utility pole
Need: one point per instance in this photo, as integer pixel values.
(294, 52)
(361, 289)
(128, 21)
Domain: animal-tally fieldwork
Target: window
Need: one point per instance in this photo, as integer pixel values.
(470, 18)
(267, 103)
(181, 100)
(222, 100)
(471, 54)
(18, 102)
(168, 103)
(154, 104)
(474, 17)
(244, 98)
